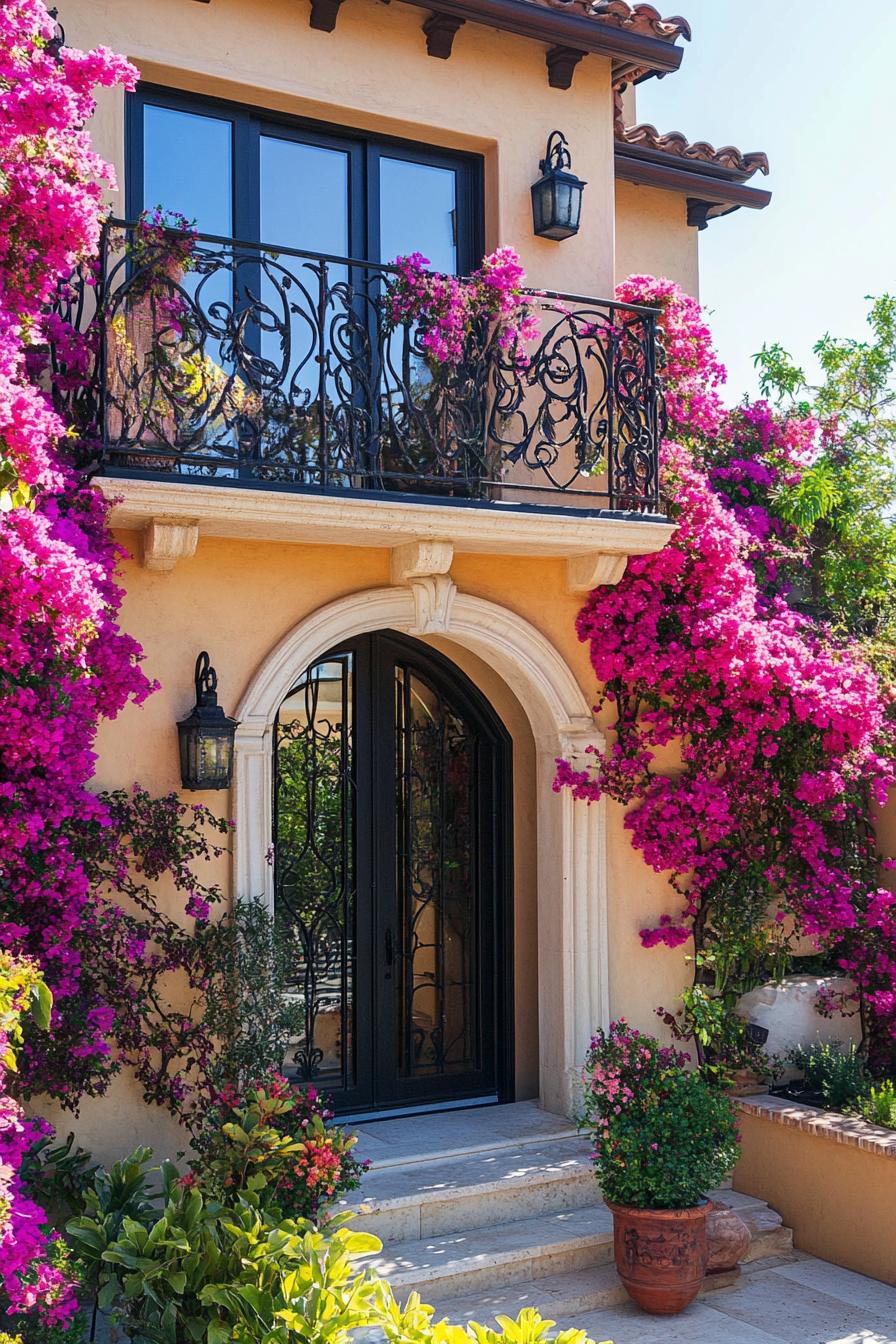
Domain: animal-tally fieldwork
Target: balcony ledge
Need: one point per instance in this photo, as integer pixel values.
(172, 517)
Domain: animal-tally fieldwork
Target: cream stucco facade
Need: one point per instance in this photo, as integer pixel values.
(267, 581)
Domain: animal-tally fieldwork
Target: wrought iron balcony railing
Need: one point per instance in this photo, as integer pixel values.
(221, 361)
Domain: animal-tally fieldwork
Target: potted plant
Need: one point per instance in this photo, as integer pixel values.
(663, 1137)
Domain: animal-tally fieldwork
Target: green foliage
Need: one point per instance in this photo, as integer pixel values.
(233, 1272)
(413, 1324)
(845, 502)
(275, 1139)
(57, 1176)
(125, 1193)
(839, 1075)
(23, 995)
(738, 949)
(248, 1007)
(880, 1105)
(663, 1136)
(669, 1151)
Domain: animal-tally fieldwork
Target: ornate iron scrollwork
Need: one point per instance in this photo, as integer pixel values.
(280, 367)
(314, 865)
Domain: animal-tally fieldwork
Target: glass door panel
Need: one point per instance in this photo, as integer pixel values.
(314, 842)
(438, 897)
(188, 169)
(188, 166)
(304, 195)
(307, 310)
(389, 835)
(418, 212)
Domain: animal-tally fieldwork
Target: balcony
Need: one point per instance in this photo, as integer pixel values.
(232, 390)
(229, 363)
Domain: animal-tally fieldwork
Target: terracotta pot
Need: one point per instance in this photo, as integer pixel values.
(660, 1255)
(727, 1238)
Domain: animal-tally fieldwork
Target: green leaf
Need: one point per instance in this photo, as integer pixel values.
(41, 1004)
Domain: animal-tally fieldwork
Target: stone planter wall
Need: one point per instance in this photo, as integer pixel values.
(831, 1177)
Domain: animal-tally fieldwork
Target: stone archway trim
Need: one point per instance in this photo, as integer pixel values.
(573, 992)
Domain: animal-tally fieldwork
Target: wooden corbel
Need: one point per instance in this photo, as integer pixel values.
(440, 30)
(561, 62)
(324, 14)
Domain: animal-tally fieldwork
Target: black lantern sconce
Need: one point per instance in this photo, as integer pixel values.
(557, 195)
(755, 1034)
(206, 735)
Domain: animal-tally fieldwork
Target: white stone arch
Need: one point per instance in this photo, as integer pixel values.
(573, 995)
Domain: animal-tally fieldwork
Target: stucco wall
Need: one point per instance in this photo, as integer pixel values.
(839, 1198)
(239, 599)
(653, 236)
(492, 97)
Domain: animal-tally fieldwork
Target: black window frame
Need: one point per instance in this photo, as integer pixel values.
(364, 148)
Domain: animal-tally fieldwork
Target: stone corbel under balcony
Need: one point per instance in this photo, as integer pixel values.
(422, 537)
(424, 567)
(167, 540)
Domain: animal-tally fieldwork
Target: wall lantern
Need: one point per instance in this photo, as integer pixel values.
(206, 735)
(557, 195)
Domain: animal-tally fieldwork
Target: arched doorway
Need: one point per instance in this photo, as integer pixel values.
(391, 823)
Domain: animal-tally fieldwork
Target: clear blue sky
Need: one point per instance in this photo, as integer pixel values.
(813, 85)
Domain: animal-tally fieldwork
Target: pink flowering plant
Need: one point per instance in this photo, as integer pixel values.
(783, 724)
(457, 318)
(663, 1138)
(277, 1139)
(66, 663)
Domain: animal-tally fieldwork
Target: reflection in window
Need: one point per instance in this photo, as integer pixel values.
(418, 212)
(314, 876)
(187, 166)
(436, 882)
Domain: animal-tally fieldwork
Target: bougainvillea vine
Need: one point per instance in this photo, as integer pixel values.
(785, 733)
(66, 664)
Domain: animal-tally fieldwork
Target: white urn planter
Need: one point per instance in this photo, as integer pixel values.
(788, 1010)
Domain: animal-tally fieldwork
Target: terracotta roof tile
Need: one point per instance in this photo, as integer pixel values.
(645, 136)
(673, 142)
(640, 20)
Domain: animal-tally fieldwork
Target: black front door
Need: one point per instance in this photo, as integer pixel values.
(391, 845)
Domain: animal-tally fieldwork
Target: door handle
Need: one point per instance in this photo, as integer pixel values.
(389, 950)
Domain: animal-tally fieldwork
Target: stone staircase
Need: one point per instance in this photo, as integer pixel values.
(509, 1220)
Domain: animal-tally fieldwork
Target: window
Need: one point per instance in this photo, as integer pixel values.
(244, 173)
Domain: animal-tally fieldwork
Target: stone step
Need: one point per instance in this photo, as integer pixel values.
(416, 1200)
(469, 1262)
(431, 1138)
(564, 1297)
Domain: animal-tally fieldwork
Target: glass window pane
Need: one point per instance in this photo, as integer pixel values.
(304, 196)
(418, 212)
(188, 166)
(314, 869)
(305, 205)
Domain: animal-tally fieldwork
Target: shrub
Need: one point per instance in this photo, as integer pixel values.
(235, 1272)
(662, 1135)
(880, 1105)
(277, 1135)
(839, 1075)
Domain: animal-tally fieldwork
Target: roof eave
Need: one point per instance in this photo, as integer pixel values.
(702, 181)
(628, 51)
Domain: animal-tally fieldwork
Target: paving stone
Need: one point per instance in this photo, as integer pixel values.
(800, 1314)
